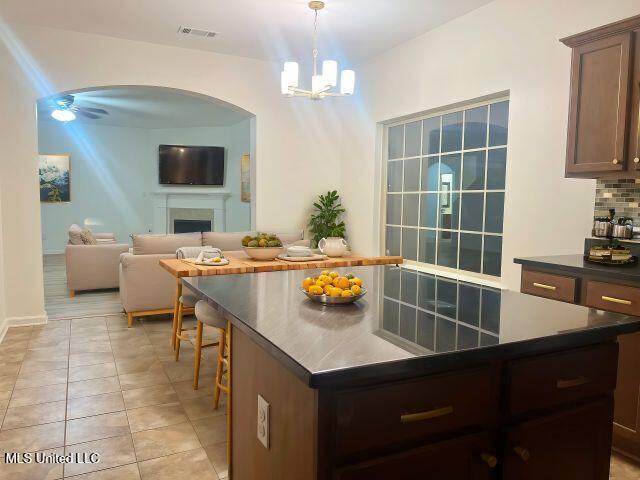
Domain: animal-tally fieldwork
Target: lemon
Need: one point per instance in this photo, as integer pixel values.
(336, 292)
(333, 274)
(324, 272)
(357, 281)
(307, 282)
(356, 290)
(315, 290)
(342, 282)
(320, 283)
(347, 293)
(327, 289)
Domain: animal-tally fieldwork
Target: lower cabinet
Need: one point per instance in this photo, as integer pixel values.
(581, 439)
(465, 458)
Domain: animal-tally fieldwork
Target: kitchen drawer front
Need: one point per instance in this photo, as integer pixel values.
(615, 298)
(381, 416)
(560, 378)
(548, 285)
(463, 458)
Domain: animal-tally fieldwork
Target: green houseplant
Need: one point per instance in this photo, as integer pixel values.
(325, 220)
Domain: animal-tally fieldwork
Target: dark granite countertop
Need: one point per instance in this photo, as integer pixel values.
(575, 264)
(408, 324)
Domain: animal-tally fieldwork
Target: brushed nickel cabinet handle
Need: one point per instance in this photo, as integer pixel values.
(621, 301)
(489, 459)
(572, 382)
(544, 285)
(615, 161)
(418, 417)
(523, 453)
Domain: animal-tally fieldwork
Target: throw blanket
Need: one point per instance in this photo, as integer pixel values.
(193, 252)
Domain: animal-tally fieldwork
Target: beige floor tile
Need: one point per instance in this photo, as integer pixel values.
(49, 344)
(91, 347)
(92, 371)
(143, 351)
(85, 359)
(96, 386)
(87, 429)
(36, 395)
(179, 466)
(152, 377)
(7, 382)
(13, 356)
(27, 416)
(46, 354)
(202, 407)
(9, 368)
(31, 439)
(32, 471)
(43, 365)
(156, 416)
(137, 364)
(144, 397)
(217, 454)
(94, 405)
(162, 441)
(125, 472)
(211, 430)
(114, 452)
(41, 379)
(623, 468)
(116, 323)
(185, 389)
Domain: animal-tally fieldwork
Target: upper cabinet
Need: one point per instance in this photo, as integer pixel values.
(604, 108)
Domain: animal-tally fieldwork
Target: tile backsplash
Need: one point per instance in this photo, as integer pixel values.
(622, 194)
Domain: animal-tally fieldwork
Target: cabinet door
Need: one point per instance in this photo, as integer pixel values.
(466, 458)
(598, 110)
(626, 427)
(571, 444)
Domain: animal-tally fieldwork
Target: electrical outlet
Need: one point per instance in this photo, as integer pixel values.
(263, 421)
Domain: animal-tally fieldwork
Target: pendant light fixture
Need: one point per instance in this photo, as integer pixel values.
(323, 82)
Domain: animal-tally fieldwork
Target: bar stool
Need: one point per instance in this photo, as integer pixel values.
(187, 300)
(207, 315)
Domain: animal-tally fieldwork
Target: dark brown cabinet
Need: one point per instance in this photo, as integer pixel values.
(602, 131)
(604, 295)
(582, 438)
(467, 458)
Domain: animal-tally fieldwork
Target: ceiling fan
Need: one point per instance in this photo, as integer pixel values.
(64, 109)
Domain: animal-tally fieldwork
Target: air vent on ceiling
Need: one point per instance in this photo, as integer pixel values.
(196, 32)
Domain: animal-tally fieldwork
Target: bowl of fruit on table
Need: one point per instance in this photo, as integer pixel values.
(264, 246)
(331, 288)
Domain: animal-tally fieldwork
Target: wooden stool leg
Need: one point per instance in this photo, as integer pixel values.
(196, 372)
(176, 309)
(178, 331)
(129, 320)
(218, 380)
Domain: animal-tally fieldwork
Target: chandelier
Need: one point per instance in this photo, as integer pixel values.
(321, 83)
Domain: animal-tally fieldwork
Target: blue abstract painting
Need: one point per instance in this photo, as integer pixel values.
(55, 180)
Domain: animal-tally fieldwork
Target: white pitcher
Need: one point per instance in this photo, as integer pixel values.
(333, 246)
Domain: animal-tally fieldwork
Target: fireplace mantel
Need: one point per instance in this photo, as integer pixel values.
(188, 197)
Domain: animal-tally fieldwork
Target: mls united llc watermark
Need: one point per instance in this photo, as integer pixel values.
(42, 457)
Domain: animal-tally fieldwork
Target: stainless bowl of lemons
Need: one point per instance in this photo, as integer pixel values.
(331, 288)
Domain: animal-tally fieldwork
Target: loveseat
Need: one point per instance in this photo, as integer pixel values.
(147, 289)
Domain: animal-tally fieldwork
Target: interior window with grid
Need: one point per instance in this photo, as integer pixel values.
(445, 188)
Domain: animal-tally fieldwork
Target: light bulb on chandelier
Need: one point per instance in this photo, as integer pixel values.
(321, 83)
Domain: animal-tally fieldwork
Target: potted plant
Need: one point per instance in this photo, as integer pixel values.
(326, 220)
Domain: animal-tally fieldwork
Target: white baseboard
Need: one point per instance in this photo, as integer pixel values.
(53, 252)
(21, 322)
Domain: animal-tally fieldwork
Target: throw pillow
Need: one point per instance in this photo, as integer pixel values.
(74, 235)
(87, 237)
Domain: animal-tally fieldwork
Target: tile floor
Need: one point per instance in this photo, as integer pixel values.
(92, 385)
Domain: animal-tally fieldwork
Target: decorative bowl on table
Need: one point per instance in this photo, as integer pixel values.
(330, 288)
(264, 246)
(299, 251)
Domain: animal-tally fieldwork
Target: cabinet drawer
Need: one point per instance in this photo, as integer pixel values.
(615, 298)
(381, 416)
(470, 457)
(548, 285)
(561, 378)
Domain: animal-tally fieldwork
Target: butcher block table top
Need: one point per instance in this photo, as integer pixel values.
(244, 264)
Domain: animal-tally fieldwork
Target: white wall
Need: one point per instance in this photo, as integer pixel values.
(506, 45)
(292, 137)
(114, 170)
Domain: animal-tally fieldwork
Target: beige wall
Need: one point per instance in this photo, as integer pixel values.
(292, 137)
(506, 45)
(2, 300)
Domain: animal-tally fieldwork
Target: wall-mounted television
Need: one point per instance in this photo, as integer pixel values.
(184, 165)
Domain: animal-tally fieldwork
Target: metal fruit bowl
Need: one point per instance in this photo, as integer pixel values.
(327, 300)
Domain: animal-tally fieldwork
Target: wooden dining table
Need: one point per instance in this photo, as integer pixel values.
(180, 268)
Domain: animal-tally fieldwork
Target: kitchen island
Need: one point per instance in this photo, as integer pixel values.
(425, 377)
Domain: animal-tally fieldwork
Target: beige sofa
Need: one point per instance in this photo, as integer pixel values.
(92, 267)
(147, 289)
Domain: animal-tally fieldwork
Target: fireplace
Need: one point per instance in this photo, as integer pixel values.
(189, 226)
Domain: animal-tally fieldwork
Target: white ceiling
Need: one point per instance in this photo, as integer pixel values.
(350, 30)
(151, 107)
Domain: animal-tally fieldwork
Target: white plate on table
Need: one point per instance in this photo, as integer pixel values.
(194, 261)
(313, 258)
